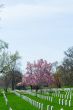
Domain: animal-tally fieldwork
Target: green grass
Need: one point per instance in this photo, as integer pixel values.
(2, 103)
(17, 103)
(45, 102)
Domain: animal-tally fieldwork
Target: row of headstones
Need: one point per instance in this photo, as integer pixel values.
(61, 101)
(6, 100)
(26, 92)
(58, 90)
(31, 101)
(65, 102)
(68, 89)
(46, 91)
(29, 92)
(48, 98)
(66, 96)
(49, 90)
(34, 103)
(68, 92)
(52, 107)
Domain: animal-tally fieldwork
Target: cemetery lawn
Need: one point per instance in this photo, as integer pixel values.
(45, 102)
(17, 103)
(2, 103)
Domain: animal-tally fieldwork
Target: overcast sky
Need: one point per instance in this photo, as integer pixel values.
(37, 28)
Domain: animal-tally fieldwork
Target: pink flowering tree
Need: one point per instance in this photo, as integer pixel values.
(38, 74)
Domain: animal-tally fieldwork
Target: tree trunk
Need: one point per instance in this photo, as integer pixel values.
(37, 88)
(13, 85)
(31, 87)
(6, 89)
(13, 81)
(6, 84)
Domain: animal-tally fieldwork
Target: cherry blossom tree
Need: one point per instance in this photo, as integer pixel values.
(38, 74)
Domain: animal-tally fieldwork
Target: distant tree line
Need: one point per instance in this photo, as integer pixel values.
(64, 72)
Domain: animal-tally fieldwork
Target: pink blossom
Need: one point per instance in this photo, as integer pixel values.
(38, 73)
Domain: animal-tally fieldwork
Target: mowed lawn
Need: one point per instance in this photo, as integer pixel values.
(2, 103)
(45, 102)
(17, 103)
